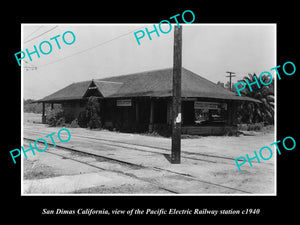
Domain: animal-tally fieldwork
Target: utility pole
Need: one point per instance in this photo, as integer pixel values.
(32, 67)
(230, 75)
(176, 97)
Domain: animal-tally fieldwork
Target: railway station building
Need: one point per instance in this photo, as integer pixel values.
(142, 102)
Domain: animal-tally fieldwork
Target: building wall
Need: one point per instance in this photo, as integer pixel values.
(138, 116)
(74, 107)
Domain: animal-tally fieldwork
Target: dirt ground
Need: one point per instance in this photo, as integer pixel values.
(45, 173)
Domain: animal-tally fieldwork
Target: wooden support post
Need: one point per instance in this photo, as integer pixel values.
(169, 116)
(137, 113)
(231, 119)
(52, 106)
(176, 103)
(43, 114)
(151, 115)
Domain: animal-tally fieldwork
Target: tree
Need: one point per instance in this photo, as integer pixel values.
(253, 112)
(55, 117)
(226, 86)
(221, 84)
(93, 113)
(31, 107)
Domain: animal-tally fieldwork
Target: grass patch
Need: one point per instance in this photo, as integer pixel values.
(34, 170)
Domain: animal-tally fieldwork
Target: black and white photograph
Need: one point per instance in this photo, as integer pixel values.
(149, 109)
(171, 112)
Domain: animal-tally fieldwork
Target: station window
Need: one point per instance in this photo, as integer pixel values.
(210, 113)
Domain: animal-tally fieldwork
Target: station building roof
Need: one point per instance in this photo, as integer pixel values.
(154, 83)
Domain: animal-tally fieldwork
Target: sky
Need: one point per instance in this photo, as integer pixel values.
(103, 50)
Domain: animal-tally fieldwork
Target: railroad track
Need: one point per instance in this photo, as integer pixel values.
(162, 151)
(101, 168)
(129, 164)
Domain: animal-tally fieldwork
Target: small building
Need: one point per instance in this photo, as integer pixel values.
(142, 102)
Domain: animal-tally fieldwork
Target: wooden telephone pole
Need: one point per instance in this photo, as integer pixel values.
(176, 97)
(230, 75)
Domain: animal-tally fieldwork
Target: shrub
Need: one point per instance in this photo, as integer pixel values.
(251, 127)
(69, 117)
(53, 116)
(60, 122)
(32, 107)
(74, 123)
(163, 129)
(83, 119)
(93, 113)
(94, 122)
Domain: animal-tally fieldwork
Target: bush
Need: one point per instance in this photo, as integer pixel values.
(54, 117)
(60, 122)
(83, 119)
(33, 107)
(251, 127)
(164, 130)
(69, 117)
(93, 113)
(94, 122)
(88, 118)
(74, 123)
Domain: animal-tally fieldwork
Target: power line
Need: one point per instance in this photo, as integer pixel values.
(34, 31)
(90, 48)
(40, 34)
(28, 62)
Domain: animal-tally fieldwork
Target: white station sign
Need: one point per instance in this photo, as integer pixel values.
(124, 102)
